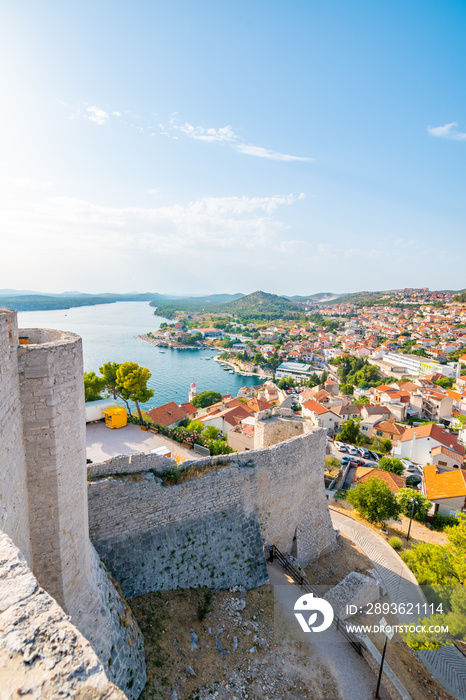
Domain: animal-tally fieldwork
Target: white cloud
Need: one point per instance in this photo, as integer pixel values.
(214, 228)
(116, 114)
(226, 134)
(97, 115)
(448, 131)
(260, 152)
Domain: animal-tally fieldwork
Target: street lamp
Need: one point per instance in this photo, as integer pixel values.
(415, 503)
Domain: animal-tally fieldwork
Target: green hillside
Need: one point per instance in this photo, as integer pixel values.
(42, 302)
(261, 305)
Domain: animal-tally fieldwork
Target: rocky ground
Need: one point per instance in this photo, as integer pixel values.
(231, 653)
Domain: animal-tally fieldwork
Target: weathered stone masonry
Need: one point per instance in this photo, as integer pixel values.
(43, 504)
(212, 531)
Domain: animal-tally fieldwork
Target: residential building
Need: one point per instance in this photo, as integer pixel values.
(388, 429)
(417, 443)
(446, 490)
(169, 414)
(241, 437)
(294, 370)
(320, 416)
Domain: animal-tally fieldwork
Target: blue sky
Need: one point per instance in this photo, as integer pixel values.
(203, 147)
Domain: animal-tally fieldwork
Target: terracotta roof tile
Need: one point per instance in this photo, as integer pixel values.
(444, 484)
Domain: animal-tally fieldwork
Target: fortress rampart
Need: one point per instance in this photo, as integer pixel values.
(43, 498)
(211, 526)
(212, 530)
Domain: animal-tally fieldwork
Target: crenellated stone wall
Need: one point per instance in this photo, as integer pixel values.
(212, 529)
(44, 492)
(14, 509)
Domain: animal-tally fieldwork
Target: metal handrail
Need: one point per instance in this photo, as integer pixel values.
(304, 583)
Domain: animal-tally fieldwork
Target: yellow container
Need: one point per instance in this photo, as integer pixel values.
(115, 417)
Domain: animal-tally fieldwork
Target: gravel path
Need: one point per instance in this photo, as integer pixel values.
(447, 665)
(352, 674)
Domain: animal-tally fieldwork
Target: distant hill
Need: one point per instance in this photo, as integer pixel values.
(321, 296)
(358, 298)
(43, 302)
(261, 304)
(171, 307)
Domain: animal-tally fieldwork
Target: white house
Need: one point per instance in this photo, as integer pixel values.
(417, 443)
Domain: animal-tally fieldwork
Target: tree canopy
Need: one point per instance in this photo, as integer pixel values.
(443, 568)
(132, 382)
(374, 501)
(93, 386)
(404, 497)
(391, 464)
(206, 398)
(349, 431)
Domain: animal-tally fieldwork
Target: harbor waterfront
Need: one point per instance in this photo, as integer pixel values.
(110, 333)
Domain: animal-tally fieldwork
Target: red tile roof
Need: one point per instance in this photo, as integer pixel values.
(444, 484)
(315, 407)
(436, 433)
(394, 481)
(167, 414)
(189, 408)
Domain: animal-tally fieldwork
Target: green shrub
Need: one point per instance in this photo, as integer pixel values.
(395, 542)
(440, 522)
(205, 604)
(173, 475)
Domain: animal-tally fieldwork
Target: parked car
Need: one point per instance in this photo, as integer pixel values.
(413, 481)
(353, 450)
(376, 455)
(341, 446)
(408, 464)
(345, 460)
(358, 462)
(364, 453)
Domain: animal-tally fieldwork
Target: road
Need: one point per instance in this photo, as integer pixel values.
(447, 665)
(353, 676)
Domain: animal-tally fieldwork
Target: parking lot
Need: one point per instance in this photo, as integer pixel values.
(362, 457)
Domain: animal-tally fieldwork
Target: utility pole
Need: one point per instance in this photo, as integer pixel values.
(415, 503)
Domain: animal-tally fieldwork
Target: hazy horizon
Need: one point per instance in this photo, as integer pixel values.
(275, 147)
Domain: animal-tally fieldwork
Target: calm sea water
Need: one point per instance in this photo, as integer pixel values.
(110, 333)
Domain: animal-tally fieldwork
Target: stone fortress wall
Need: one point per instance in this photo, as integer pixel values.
(14, 511)
(212, 530)
(43, 498)
(41, 651)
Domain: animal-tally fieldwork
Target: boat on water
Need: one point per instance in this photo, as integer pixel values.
(162, 351)
(231, 371)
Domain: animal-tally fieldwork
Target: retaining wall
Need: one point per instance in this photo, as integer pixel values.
(212, 531)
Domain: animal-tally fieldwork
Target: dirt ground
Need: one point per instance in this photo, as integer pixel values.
(329, 570)
(230, 654)
(233, 653)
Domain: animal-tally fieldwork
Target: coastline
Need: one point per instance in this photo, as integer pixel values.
(235, 367)
(173, 346)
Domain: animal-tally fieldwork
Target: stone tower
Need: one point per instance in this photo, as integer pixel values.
(43, 489)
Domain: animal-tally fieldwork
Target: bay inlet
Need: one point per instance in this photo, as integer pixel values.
(110, 334)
